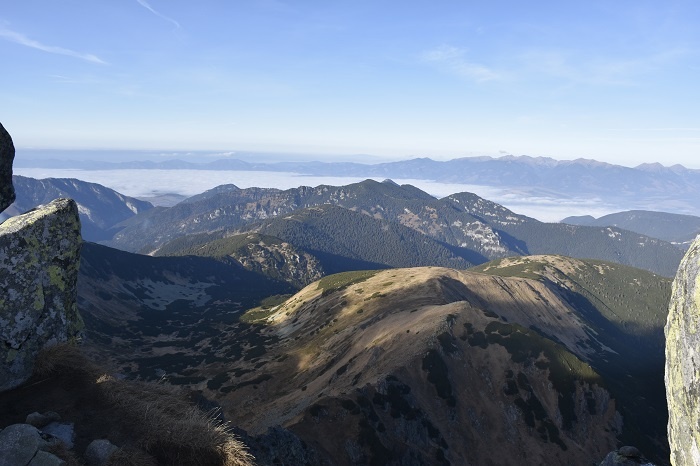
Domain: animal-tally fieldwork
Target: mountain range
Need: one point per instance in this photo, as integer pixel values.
(459, 230)
(466, 225)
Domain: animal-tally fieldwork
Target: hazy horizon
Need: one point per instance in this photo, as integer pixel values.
(204, 156)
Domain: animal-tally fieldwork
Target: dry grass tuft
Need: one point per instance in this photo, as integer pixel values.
(171, 428)
(129, 456)
(166, 428)
(65, 359)
(59, 449)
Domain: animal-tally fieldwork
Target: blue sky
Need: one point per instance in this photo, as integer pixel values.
(615, 81)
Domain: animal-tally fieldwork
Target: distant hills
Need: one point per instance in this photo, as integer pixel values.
(674, 228)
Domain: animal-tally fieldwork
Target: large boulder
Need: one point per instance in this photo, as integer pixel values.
(7, 155)
(683, 361)
(39, 258)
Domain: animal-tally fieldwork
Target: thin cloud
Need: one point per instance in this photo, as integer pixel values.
(453, 59)
(610, 71)
(656, 129)
(145, 4)
(21, 39)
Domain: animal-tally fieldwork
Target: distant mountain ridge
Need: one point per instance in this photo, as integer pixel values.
(319, 167)
(100, 208)
(674, 228)
(481, 228)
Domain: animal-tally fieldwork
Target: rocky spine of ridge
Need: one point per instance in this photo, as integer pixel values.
(683, 361)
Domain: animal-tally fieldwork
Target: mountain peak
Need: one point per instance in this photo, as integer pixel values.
(651, 167)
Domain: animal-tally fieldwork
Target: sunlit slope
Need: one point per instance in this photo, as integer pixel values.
(434, 363)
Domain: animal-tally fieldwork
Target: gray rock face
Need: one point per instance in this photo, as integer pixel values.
(43, 458)
(63, 431)
(23, 445)
(39, 420)
(39, 258)
(18, 444)
(7, 155)
(683, 361)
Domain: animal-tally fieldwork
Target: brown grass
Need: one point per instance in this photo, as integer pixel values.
(65, 359)
(131, 456)
(166, 428)
(59, 449)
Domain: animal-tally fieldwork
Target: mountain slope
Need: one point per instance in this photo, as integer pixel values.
(132, 303)
(586, 242)
(673, 228)
(258, 253)
(347, 240)
(338, 239)
(626, 309)
(432, 363)
(100, 208)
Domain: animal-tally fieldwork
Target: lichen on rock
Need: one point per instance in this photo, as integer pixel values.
(683, 361)
(39, 260)
(7, 155)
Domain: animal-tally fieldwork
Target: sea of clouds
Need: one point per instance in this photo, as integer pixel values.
(148, 183)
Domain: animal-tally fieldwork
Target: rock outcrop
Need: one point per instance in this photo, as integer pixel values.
(39, 258)
(683, 362)
(7, 155)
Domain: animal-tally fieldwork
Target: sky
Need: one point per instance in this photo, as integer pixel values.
(616, 81)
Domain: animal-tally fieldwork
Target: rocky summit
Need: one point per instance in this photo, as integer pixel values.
(683, 361)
